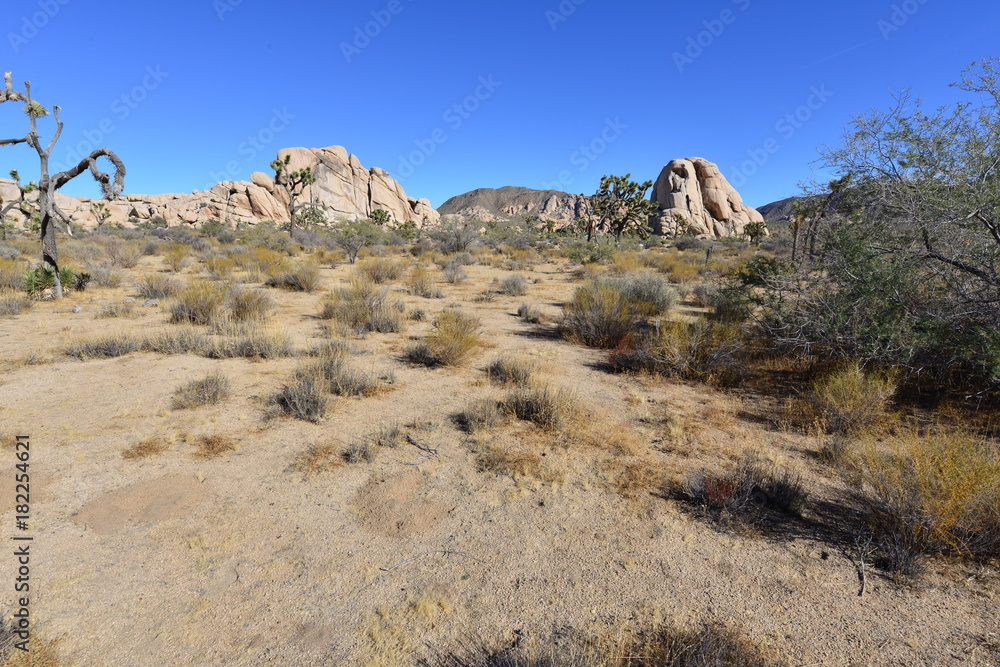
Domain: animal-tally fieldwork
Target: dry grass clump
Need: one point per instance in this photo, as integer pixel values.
(301, 278)
(707, 645)
(15, 304)
(454, 339)
(305, 398)
(209, 390)
(108, 346)
(387, 435)
(480, 415)
(753, 486)
(11, 275)
(529, 314)
(544, 406)
(123, 254)
(506, 370)
(853, 399)
(248, 305)
(104, 275)
(701, 350)
(380, 269)
(454, 273)
(317, 459)
(149, 447)
(178, 340)
(212, 446)
(177, 257)
(420, 283)
(513, 462)
(117, 309)
(358, 452)
(200, 302)
(927, 491)
(343, 379)
(157, 287)
(364, 308)
(248, 340)
(599, 316)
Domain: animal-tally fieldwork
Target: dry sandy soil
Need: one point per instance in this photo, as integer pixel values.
(245, 559)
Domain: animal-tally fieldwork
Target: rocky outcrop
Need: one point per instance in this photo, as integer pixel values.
(515, 203)
(694, 194)
(343, 186)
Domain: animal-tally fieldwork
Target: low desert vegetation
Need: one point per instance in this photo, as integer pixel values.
(145, 449)
(454, 339)
(213, 446)
(209, 390)
(157, 287)
(364, 307)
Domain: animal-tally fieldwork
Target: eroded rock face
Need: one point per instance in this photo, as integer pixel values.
(343, 185)
(514, 203)
(693, 192)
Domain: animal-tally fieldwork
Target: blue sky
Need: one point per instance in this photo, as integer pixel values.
(453, 96)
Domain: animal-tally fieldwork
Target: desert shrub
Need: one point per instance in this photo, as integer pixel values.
(852, 398)
(505, 370)
(220, 267)
(81, 281)
(104, 347)
(199, 303)
(453, 238)
(543, 406)
(380, 269)
(359, 452)
(343, 379)
(454, 339)
(302, 278)
(317, 459)
(8, 252)
(705, 295)
(209, 390)
(248, 340)
(41, 278)
(648, 293)
(178, 340)
(529, 314)
(688, 242)
(927, 491)
(116, 309)
(248, 305)
(420, 283)
(514, 285)
(598, 316)
(104, 275)
(177, 257)
(11, 275)
(305, 398)
(417, 314)
(388, 435)
(14, 304)
(480, 415)
(123, 254)
(454, 273)
(754, 486)
(363, 307)
(150, 248)
(699, 350)
(157, 287)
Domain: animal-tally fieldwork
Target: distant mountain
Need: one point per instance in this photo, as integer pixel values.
(780, 211)
(509, 203)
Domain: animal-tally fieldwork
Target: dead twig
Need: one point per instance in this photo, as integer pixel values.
(419, 445)
(864, 550)
(425, 553)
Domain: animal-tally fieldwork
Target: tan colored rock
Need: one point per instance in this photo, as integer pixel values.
(695, 190)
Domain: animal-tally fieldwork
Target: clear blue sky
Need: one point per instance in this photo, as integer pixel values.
(193, 91)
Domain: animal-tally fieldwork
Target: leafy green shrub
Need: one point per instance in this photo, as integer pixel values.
(42, 278)
(599, 316)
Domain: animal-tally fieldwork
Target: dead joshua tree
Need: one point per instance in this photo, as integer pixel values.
(49, 212)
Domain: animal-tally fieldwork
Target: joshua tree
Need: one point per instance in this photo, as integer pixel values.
(101, 212)
(620, 205)
(22, 204)
(381, 217)
(294, 183)
(49, 212)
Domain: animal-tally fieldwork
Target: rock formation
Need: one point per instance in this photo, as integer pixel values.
(695, 194)
(343, 186)
(515, 203)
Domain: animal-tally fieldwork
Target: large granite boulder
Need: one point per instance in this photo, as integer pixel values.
(695, 194)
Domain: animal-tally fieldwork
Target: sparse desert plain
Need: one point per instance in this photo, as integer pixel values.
(249, 451)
